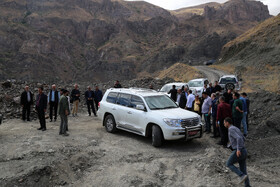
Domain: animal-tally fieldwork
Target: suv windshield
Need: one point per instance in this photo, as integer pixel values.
(195, 84)
(160, 102)
(227, 80)
(166, 88)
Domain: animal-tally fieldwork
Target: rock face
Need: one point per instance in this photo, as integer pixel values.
(101, 40)
(258, 47)
(236, 10)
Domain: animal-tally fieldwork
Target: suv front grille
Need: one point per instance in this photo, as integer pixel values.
(191, 122)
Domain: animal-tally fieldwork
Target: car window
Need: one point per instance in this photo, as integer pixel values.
(135, 100)
(227, 80)
(124, 99)
(160, 102)
(195, 84)
(112, 97)
(166, 88)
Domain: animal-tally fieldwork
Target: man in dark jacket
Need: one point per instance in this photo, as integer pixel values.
(214, 115)
(228, 96)
(237, 110)
(41, 108)
(26, 100)
(210, 89)
(181, 99)
(217, 87)
(117, 84)
(64, 111)
(173, 93)
(89, 95)
(97, 96)
(224, 111)
(53, 99)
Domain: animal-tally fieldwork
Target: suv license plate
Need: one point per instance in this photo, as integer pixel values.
(192, 133)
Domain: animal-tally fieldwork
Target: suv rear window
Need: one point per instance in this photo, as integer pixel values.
(227, 80)
(112, 97)
(124, 99)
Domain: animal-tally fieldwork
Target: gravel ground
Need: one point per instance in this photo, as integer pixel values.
(92, 157)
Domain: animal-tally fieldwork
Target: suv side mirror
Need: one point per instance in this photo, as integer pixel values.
(140, 107)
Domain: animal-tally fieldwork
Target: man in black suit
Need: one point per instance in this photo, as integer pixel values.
(210, 89)
(89, 95)
(181, 99)
(41, 108)
(173, 93)
(53, 100)
(26, 100)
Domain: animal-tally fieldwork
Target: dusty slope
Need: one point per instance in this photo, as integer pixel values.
(106, 39)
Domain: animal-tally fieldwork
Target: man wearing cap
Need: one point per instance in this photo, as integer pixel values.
(64, 112)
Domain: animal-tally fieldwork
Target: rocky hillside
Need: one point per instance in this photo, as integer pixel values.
(100, 40)
(259, 46)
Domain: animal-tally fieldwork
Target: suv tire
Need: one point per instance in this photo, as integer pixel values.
(157, 137)
(229, 86)
(110, 124)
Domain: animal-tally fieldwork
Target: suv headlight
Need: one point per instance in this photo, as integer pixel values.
(172, 122)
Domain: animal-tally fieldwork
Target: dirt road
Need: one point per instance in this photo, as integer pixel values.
(210, 73)
(92, 157)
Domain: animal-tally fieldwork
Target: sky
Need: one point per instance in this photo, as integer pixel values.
(273, 5)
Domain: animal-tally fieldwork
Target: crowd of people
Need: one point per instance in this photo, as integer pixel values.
(58, 102)
(223, 113)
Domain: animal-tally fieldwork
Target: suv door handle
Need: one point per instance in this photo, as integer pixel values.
(129, 112)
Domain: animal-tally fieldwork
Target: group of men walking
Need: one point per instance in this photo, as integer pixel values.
(59, 103)
(227, 112)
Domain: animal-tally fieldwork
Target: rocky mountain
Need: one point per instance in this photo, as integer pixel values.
(259, 46)
(101, 40)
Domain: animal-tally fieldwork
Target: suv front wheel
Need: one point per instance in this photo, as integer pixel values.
(110, 124)
(157, 137)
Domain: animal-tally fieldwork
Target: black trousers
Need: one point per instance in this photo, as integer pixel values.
(90, 104)
(41, 116)
(26, 112)
(215, 129)
(96, 104)
(223, 133)
(53, 107)
(237, 122)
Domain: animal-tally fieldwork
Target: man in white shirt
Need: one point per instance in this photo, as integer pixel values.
(190, 100)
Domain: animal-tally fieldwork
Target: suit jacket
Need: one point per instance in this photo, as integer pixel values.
(173, 93)
(42, 103)
(63, 105)
(183, 100)
(23, 98)
(87, 95)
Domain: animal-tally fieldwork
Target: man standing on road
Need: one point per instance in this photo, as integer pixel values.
(181, 99)
(53, 99)
(97, 96)
(75, 95)
(173, 93)
(117, 84)
(244, 95)
(89, 95)
(190, 100)
(206, 111)
(217, 87)
(223, 112)
(26, 100)
(64, 112)
(228, 96)
(210, 89)
(239, 153)
(214, 115)
(237, 111)
(41, 108)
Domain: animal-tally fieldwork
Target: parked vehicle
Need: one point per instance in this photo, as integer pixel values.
(209, 62)
(230, 82)
(167, 87)
(148, 113)
(196, 85)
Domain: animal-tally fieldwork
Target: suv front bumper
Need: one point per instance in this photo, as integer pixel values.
(184, 133)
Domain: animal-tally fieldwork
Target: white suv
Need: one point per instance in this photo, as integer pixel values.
(197, 85)
(148, 113)
(230, 82)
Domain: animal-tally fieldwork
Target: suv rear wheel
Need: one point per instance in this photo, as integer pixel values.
(157, 137)
(110, 124)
